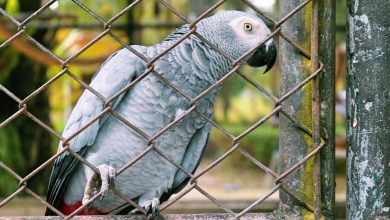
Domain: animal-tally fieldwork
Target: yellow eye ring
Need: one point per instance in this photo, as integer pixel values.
(248, 26)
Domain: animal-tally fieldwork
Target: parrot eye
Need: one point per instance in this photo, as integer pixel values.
(248, 26)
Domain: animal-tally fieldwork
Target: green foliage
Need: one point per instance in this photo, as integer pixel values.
(8, 60)
(12, 7)
(260, 143)
(102, 8)
(11, 155)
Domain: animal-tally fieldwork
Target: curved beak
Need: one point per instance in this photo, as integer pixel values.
(264, 55)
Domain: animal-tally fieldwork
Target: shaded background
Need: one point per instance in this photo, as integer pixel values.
(65, 29)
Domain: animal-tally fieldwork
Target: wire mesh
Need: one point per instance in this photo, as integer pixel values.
(106, 30)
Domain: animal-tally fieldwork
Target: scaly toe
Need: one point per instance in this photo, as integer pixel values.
(155, 204)
(105, 178)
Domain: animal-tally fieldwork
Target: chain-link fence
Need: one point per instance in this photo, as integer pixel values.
(280, 107)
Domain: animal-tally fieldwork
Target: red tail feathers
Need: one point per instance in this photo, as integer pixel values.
(68, 209)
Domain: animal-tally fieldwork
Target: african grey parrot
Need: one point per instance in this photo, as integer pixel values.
(151, 105)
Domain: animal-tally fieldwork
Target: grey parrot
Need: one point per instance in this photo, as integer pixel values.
(150, 105)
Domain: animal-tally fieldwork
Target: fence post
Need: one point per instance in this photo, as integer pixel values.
(294, 143)
(326, 50)
(368, 110)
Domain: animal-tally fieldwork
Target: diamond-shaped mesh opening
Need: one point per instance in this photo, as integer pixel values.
(240, 150)
(241, 181)
(13, 184)
(12, 100)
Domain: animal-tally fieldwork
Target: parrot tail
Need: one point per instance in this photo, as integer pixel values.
(68, 209)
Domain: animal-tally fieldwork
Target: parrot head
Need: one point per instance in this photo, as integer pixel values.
(236, 32)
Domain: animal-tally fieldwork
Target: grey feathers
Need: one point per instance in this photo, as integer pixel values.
(110, 79)
(150, 105)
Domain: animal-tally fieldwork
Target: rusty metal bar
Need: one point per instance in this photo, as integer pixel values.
(213, 216)
(8, 41)
(128, 201)
(326, 50)
(42, 25)
(179, 195)
(301, 50)
(206, 194)
(131, 49)
(86, 86)
(214, 124)
(274, 175)
(315, 109)
(173, 86)
(36, 13)
(292, 12)
(258, 163)
(43, 87)
(215, 85)
(79, 209)
(296, 123)
(214, 163)
(84, 48)
(257, 124)
(173, 162)
(10, 94)
(207, 12)
(172, 9)
(42, 166)
(26, 189)
(125, 10)
(90, 12)
(263, 198)
(300, 85)
(12, 117)
(297, 199)
(127, 87)
(13, 195)
(135, 159)
(181, 39)
(257, 10)
(10, 17)
(93, 120)
(130, 125)
(42, 124)
(301, 162)
(42, 201)
(81, 159)
(42, 48)
(258, 87)
(208, 43)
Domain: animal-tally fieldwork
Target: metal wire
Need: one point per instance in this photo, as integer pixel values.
(317, 67)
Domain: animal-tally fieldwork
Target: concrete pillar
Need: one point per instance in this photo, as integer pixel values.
(368, 109)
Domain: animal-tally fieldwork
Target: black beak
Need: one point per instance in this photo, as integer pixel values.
(264, 55)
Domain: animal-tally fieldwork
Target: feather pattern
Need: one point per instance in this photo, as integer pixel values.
(192, 66)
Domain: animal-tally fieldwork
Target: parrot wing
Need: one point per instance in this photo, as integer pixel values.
(192, 157)
(119, 70)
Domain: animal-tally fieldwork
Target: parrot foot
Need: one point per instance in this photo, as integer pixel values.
(105, 178)
(151, 206)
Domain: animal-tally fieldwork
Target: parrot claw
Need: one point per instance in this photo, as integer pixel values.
(105, 178)
(151, 207)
